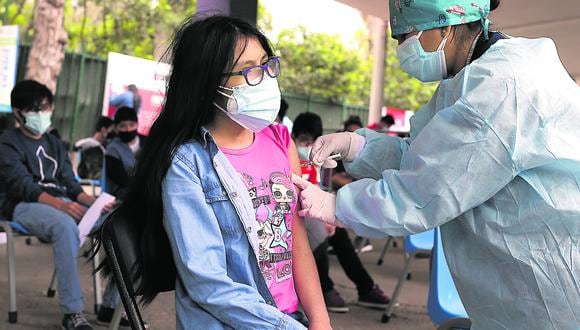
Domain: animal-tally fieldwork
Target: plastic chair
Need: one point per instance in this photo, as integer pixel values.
(416, 246)
(385, 248)
(13, 229)
(443, 303)
(121, 244)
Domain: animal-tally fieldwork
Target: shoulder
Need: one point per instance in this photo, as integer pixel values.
(54, 141)
(115, 148)
(192, 154)
(12, 141)
(10, 136)
(88, 142)
(278, 133)
(518, 59)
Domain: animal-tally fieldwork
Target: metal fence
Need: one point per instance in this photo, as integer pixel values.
(79, 93)
(81, 85)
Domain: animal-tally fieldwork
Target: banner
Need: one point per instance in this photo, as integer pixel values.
(8, 59)
(402, 119)
(148, 76)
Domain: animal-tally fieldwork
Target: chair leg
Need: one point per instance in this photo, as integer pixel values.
(380, 262)
(97, 285)
(116, 320)
(12, 311)
(50, 292)
(408, 261)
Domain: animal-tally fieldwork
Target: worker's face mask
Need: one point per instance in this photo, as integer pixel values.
(253, 107)
(37, 122)
(425, 66)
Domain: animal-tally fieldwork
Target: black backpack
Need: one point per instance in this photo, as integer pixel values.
(91, 164)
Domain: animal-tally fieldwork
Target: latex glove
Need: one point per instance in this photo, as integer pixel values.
(347, 144)
(316, 204)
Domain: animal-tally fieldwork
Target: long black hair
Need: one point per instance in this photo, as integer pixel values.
(202, 50)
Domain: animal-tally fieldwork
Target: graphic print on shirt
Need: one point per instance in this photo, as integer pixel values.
(47, 167)
(271, 201)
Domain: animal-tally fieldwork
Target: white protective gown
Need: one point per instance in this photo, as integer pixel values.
(494, 159)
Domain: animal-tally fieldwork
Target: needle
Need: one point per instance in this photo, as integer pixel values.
(335, 156)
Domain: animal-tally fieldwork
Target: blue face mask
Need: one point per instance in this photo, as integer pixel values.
(38, 122)
(253, 107)
(425, 66)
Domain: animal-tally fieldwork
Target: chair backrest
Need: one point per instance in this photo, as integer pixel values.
(119, 236)
(421, 241)
(104, 176)
(443, 301)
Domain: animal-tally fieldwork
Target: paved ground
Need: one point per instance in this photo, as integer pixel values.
(35, 311)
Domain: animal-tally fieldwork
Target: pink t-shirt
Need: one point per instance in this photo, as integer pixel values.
(265, 169)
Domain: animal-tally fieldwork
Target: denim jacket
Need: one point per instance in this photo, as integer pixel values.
(212, 229)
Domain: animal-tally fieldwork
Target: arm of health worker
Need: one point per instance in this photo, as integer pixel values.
(457, 162)
(200, 256)
(380, 152)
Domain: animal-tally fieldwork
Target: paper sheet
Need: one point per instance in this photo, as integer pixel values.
(3, 238)
(92, 215)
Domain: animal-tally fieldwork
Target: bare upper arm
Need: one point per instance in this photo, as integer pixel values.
(294, 159)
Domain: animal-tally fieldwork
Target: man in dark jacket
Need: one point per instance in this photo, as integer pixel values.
(41, 192)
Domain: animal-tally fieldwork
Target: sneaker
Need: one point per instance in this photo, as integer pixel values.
(334, 302)
(76, 321)
(374, 299)
(363, 243)
(105, 316)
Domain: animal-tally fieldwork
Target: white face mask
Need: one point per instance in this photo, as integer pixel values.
(425, 66)
(38, 122)
(253, 107)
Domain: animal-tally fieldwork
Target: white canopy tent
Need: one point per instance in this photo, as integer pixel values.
(559, 20)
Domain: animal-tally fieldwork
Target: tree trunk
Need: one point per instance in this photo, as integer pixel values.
(50, 38)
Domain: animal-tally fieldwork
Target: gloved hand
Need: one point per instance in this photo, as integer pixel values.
(316, 204)
(347, 144)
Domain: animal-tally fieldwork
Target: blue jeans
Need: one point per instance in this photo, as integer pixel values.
(48, 223)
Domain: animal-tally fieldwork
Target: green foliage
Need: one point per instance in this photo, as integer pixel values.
(264, 21)
(133, 27)
(320, 65)
(18, 12)
(401, 90)
(313, 64)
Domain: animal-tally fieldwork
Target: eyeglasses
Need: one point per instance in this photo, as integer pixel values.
(43, 107)
(255, 74)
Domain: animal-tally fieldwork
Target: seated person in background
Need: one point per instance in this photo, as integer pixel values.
(103, 128)
(308, 127)
(120, 154)
(42, 194)
(92, 149)
(384, 124)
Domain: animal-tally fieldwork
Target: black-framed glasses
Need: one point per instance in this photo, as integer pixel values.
(43, 107)
(255, 74)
